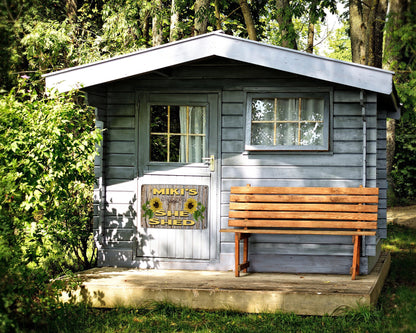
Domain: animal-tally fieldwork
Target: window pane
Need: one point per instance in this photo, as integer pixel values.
(158, 118)
(288, 109)
(175, 120)
(262, 134)
(262, 109)
(287, 134)
(312, 134)
(158, 148)
(197, 120)
(312, 109)
(196, 151)
(174, 148)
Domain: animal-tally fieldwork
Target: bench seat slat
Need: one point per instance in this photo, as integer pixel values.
(303, 207)
(302, 232)
(303, 215)
(306, 190)
(303, 224)
(303, 198)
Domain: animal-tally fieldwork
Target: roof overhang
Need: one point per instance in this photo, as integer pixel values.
(222, 45)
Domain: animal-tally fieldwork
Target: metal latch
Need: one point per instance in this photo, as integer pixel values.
(211, 161)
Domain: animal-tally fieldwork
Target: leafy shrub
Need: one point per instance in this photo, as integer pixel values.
(47, 150)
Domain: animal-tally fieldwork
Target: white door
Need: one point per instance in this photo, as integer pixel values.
(178, 146)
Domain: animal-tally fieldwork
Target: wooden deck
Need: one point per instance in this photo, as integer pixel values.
(304, 294)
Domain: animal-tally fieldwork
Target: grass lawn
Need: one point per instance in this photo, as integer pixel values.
(395, 312)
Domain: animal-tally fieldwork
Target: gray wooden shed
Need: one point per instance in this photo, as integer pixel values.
(187, 120)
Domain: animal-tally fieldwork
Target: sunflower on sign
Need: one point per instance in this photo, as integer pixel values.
(152, 206)
(191, 205)
(195, 208)
(155, 204)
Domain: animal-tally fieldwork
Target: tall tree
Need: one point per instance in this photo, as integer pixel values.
(201, 17)
(287, 29)
(248, 19)
(367, 19)
(157, 22)
(174, 21)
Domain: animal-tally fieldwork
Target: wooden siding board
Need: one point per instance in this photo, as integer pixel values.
(232, 109)
(342, 122)
(117, 147)
(354, 135)
(227, 183)
(353, 96)
(121, 135)
(232, 146)
(122, 160)
(352, 147)
(296, 160)
(120, 172)
(115, 122)
(304, 172)
(232, 121)
(121, 110)
(354, 109)
(305, 264)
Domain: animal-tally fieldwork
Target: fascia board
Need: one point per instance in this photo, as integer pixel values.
(304, 64)
(220, 44)
(129, 65)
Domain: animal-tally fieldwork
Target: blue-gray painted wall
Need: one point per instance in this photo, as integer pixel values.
(117, 107)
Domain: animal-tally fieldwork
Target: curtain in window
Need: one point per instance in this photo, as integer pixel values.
(312, 111)
(193, 124)
(287, 132)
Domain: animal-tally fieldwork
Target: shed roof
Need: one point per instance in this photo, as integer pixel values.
(222, 45)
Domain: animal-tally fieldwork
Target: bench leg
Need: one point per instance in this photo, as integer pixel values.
(355, 269)
(245, 264)
(237, 254)
(245, 253)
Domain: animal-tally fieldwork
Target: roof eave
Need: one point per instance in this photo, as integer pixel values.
(222, 45)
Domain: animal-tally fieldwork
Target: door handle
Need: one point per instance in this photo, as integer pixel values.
(211, 161)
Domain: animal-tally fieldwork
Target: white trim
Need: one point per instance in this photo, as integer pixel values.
(222, 45)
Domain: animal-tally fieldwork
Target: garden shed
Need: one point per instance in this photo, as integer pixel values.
(186, 121)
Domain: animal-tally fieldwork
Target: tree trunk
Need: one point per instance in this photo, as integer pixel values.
(367, 19)
(157, 31)
(311, 34)
(201, 17)
(217, 15)
(71, 10)
(357, 31)
(287, 29)
(146, 29)
(248, 19)
(174, 22)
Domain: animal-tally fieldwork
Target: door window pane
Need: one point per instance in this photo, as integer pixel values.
(178, 133)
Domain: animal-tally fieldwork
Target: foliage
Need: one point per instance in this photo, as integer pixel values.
(339, 44)
(302, 13)
(47, 149)
(402, 53)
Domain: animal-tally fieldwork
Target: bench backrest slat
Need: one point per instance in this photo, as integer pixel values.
(303, 224)
(306, 190)
(304, 207)
(304, 198)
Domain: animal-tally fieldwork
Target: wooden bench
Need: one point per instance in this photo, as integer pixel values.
(302, 211)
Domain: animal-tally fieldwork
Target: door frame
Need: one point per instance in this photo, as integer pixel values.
(212, 99)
